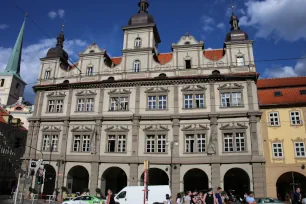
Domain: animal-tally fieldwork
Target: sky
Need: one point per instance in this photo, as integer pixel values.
(278, 28)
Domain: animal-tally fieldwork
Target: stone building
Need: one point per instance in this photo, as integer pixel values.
(193, 113)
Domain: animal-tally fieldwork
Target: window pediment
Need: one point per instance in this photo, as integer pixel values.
(157, 128)
(116, 129)
(81, 129)
(85, 93)
(157, 90)
(276, 140)
(56, 94)
(195, 127)
(230, 86)
(194, 88)
(119, 91)
(233, 126)
(51, 129)
(298, 139)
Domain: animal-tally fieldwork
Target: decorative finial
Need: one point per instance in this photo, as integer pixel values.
(232, 6)
(63, 26)
(187, 34)
(26, 14)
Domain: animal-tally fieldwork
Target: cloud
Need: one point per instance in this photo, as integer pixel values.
(31, 54)
(208, 23)
(277, 19)
(3, 26)
(287, 71)
(221, 26)
(53, 14)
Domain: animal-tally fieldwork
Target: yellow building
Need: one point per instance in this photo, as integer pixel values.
(283, 103)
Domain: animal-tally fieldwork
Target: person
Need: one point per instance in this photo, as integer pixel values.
(218, 195)
(250, 198)
(200, 198)
(168, 199)
(297, 197)
(110, 197)
(179, 199)
(187, 198)
(304, 199)
(209, 197)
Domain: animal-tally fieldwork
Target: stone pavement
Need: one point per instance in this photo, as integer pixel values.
(10, 201)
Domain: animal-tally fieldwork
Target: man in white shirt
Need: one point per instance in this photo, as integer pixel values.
(250, 199)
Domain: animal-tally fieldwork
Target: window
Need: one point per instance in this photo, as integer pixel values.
(85, 105)
(137, 43)
(195, 143)
(47, 74)
(136, 66)
(81, 143)
(55, 106)
(295, 117)
(188, 64)
(273, 119)
(50, 141)
(299, 149)
(194, 101)
(240, 61)
(2, 82)
(277, 149)
(116, 143)
(231, 99)
(17, 85)
(89, 71)
(278, 93)
(303, 92)
(157, 102)
(119, 103)
(159, 139)
(234, 142)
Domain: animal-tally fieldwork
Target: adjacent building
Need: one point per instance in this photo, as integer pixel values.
(193, 113)
(283, 102)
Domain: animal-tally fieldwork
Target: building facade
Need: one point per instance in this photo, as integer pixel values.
(193, 113)
(283, 104)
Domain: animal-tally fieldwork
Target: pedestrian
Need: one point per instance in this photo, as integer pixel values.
(187, 198)
(168, 199)
(250, 198)
(297, 197)
(110, 197)
(218, 195)
(209, 197)
(179, 199)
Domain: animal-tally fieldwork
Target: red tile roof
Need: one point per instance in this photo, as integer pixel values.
(214, 54)
(289, 87)
(117, 60)
(164, 58)
(3, 112)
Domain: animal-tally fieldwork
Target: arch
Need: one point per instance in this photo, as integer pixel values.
(50, 177)
(77, 179)
(289, 181)
(111, 78)
(215, 72)
(137, 43)
(136, 66)
(66, 82)
(162, 75)
(192, 178)
(113, 178)
(156, 177)
(237, 180)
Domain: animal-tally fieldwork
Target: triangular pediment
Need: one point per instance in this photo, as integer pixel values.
(195, 127)
(81, 129)
(156, 90)
(119, 91)
(230, 86)
(51, 129)
(155, 128)
(56, 94)
(194, 88)
(233, 126)
(85, 93)
(116, 129)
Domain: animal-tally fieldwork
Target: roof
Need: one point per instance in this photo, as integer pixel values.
(3, 112)
(290, 91)
(164, 58)
(116, 60)
(214, 54)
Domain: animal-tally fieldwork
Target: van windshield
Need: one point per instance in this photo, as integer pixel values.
(121, 195)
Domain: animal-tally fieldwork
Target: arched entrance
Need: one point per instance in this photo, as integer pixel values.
(289, 181)
(50, 177)
(156, 177)
(113, 178)
(237, 181)
(195, 179)
(77, 179)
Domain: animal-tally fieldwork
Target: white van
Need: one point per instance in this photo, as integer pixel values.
(134, 194)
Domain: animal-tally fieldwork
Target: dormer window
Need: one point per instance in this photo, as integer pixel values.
(187, 43)
(188, 64)
(136, 66)
(137, 43)
(91, 51)
(240, 61)
(2, 82)
(89, 71)
(47, 74)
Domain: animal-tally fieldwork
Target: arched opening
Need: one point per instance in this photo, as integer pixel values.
(111, 79)
(77, 179)
(49, 183)
(215, 72)
(156, 177)
(113, 178)
(66, 82)
(163, 75)
(287, 183)
(237, 181)
(195, 179)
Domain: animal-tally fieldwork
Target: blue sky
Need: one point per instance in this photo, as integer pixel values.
(278, 28)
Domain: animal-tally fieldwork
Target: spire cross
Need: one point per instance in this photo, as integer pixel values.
(63, 27)
(232, 6)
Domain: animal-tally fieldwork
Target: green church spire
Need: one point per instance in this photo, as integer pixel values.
(13, 65)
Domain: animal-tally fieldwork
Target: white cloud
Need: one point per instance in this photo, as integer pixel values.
(61, 13)
(287, 71)
(3, 26)
(52, 14)
(279, 19)
(221, 26)
(208, 23)
(30, 59)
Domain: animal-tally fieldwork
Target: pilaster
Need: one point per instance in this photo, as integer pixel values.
(96, 151)
(69, 101)
(132, 181)
(137, 100)
(62, 165)
(100, 109)
(135, 136)
(29, 139)
(215, 175)
(250, 95)
(40, 103)
(94, 177)
(34, 139)
(259, 179)
(175, 180)
(254, 135)
(176, 132)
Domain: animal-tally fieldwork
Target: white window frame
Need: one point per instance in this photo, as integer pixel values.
(299, 149)
(240, 61)
(295, 118)
(120, 142)
(230, 99)
(153, 102)
(136, 66)
(50, 140)
(274, 119)
(81, 142)
(119, 103)
(161, 143)
(89, 71)
(137, 42)
(199, 139)
(237, 139)
(150, 143)
(156, 143)
(190, 100)
(85, 104)
(277, 150)
(47, 74)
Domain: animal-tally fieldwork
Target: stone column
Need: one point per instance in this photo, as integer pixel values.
(259, 179)
(133, 177)
(29, 140)
(175, 182)
(215, 176)
(61, 169)
(254, 135)
(94, 176)
(34, 140)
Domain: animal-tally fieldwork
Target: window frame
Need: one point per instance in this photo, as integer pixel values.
(231, 91)
(295, 117)
(195, 135)
(194, 93)
(295, 152)
(85, 98)
(186, 63)
(156, 134)
(138, 39)
(47, 75)
(135, 69)
(157, 92)
(81, 134)
(269, 119)
(118, 96)
(89, 73)
(239, 64)
(56, 100)
(51, 133)
(116, 134)
(234, 133)
(277, 148)
(2, 82)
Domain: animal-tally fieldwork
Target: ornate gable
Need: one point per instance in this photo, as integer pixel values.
(153, 128)
(116, 129)
(233, 126)
(119, 91)
(157, 90)
(51, 129)
(194, 88)
(81, 129)
(56, 94)
(93, 48)
(85, 93)
(230, 86)
(187, 40)
(195, 127)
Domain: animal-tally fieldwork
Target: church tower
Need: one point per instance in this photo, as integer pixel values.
(11, 84)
